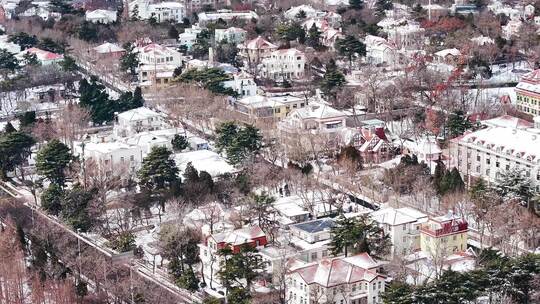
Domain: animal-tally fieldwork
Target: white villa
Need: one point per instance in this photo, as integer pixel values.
(284, 64)
(256, 49)
(226, 15)
(101, 16)
(231, 35)
(138, 120)
(316, 117)
(243, 84)
(355, 280)
(162, 11)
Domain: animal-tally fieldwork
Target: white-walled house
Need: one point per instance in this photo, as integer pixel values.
(226, 15)
(232, 35)
(403, 227)
(284, 64)
(312, 239)
(155, 54)
(189, 36)
(243, 84)
(101, 16)
(138, 120)
(352, 280)
(379, 51)
(162, 11)
(315, 117)
(115, 157)
(256, 49)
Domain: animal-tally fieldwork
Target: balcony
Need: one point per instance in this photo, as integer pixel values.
(447, 228)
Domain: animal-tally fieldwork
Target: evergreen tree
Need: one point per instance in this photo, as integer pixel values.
(246, 264)
(247, 141)
(350, 47)
(239, 295)
(398, 293)
(332, 80)
(356, 4)
(88, 31)
(53, 160)
(129, 62)
(351, 155)
(173, 32)
(179, 143)
(301, 14)
(381, 6)
(158, 171)
(226, 133)
(512, 185)
(51, 199)
(8, 62)
(358, 234)
(30, 59)
(24, 40)
(27, 119)
(68, 64)
(9, 128)
(457, 124)
(75, 207)
(14, 150)
(314, 37)
(191, 175)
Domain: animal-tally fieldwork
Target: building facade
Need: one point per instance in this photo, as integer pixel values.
(284, 64)
(528, 93)
(443, 236)
(231, 35)
(352, 280)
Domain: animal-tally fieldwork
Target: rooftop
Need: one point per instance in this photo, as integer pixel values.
(204, 160)
(139, 114)
(315, 226)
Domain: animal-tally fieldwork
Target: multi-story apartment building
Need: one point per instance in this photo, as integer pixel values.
(352, 280)
(403, 227)
(231, 35)
(528, 93)
(194, 6)
(444, 235)
(162, 11)
(284, 64)
(506, 143)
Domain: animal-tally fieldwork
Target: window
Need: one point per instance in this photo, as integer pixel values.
(313, 256)
(454, 237)
(379, 285)
(497, 164)
(122, 159)
(132, 158)
(404, 239)
(478, 158)
(324, 253)
(404, 227)
(487, 161)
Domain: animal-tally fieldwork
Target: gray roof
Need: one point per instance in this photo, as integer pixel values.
(315, 225)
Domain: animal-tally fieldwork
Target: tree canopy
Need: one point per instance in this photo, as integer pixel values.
(358, 234)
(53, 160)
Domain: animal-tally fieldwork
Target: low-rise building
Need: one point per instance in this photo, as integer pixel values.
(189, 36)
(112, 157)
(162, 11)
(444, 235)
(155, 54)
(277, 107)
(312, 239)
(243, 84)
(44, 57)
(226, 15)
(403, 227)
(284, 64)
(316, 117)
(101, 16)
(109, 50)
(249, 236)
(256, 49)
(528, 93)
(231, 35)
(380, 51)
(138, 120)
(354, 280)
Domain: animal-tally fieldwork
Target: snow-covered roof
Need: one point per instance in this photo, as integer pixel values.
(204, 160)
(42, 55)
(317, 110)
(482, 40)
(9, 46)
(155, 49)
(101, 14)
(520, 143)
(446, 52)
(393, 217)
(108, 47)
(295, 10)
(258, 43)
(108, 147)
(507, 121)
(289, 206)
(338, 271)
(530, 82)
(315, 226)
(139, 114)
(226, 14)
(239, 236)
(259, 101)
(423, 145)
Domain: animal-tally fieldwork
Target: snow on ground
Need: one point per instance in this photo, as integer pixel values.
(204, 160)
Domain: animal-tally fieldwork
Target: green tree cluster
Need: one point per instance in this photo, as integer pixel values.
(333, 80)
(209, 78)
(288, 32)
(497, 277)
(52, 162)
(238, 142)
(14, 150)
(95, 98)
(179, 142)
(357, 235)
(158, 171)
(447, 181)
(350, 47)
(129, 62)
(457, 124)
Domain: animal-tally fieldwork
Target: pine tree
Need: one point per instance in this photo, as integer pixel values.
(457, 124)
(179, 142)
(14, 150)
(358, 234)
(314, 37)
(51, 199)
(9, 128)
(75, 208)
(191, 175)
(512, 185)
(356, 4)
(158, 171)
